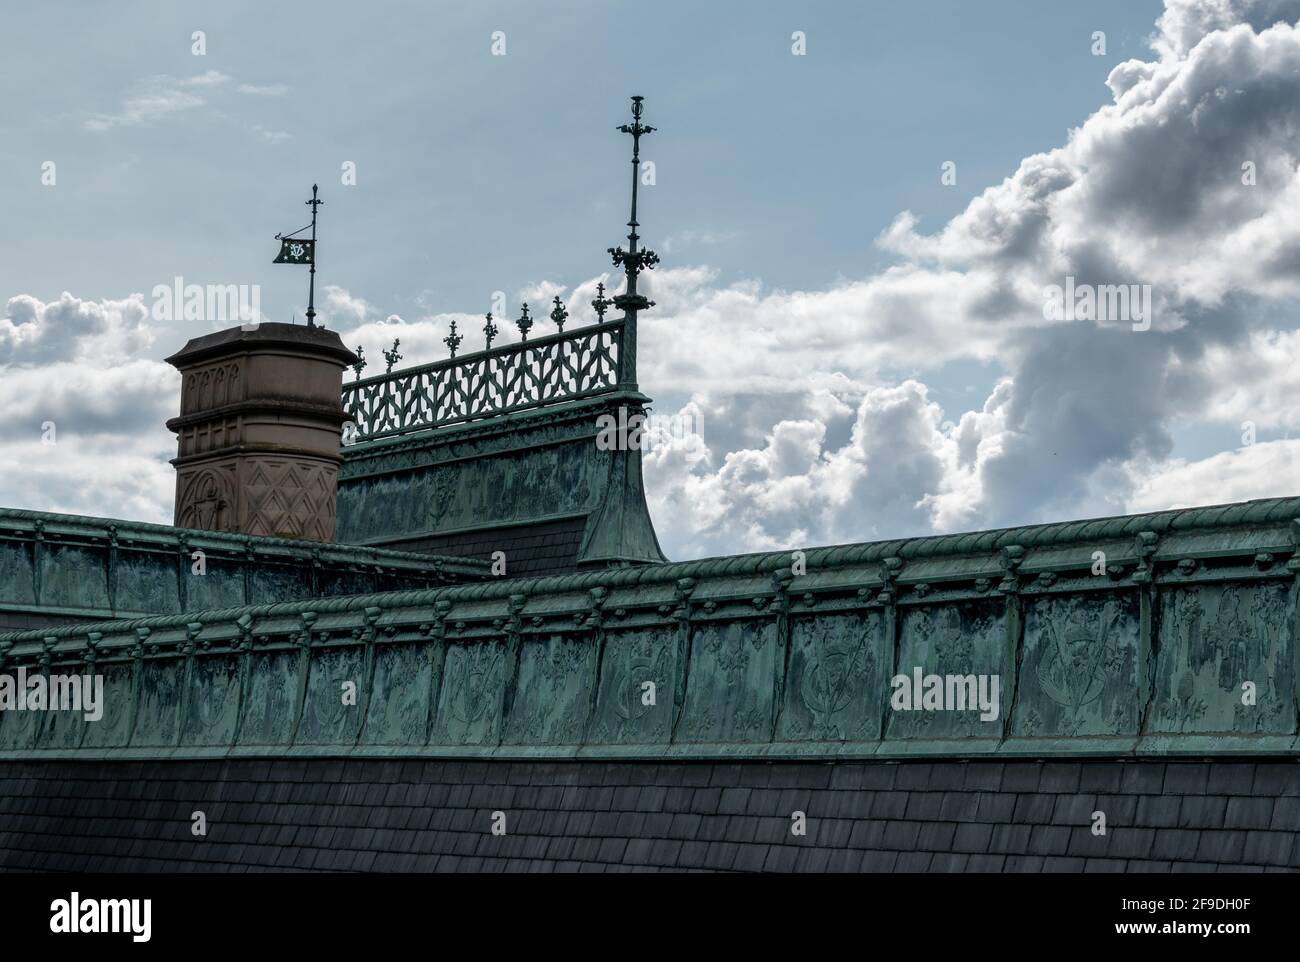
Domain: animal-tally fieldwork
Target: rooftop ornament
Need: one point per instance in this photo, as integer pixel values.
(558, 314)
(636, 258)
(391, 356)
(574, 361)
(601, 303)
(301, 250)
(453, 339)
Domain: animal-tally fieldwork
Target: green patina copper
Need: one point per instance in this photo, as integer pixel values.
(502, 472)
(58, 566)
(1116, 637)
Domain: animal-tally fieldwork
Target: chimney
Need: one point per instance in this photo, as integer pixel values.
(259, 431)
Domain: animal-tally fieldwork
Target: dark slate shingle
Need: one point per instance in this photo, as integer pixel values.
(396, 815)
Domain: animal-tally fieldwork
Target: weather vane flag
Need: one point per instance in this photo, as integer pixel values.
(302, 250)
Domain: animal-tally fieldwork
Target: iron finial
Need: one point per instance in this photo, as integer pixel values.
(601, 303)
(490, 331)
(636, 258)
(315, 204)
(453, 339)
(558, 314)
(361, 362)
(525, 323)
(392, 357)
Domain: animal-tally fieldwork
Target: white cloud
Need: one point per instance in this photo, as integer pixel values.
(156, 97)
(1248, 472)
(33, 331)
(271, 136)
(267, 90)
(1185, 23)
(85, 409)
(1257, 382)
(688, 239)
(900, 471)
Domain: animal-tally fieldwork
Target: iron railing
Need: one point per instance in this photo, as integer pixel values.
(514, 377)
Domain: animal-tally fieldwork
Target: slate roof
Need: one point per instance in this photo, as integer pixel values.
(531, 550)
(355, 815)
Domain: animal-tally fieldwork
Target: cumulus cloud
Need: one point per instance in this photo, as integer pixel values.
(1258, 382)
(1248, 472)
(1186, 182)
(85, 409)
(32, 331)
(1185, 23)
(902, 469)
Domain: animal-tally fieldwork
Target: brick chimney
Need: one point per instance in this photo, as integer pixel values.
(259, 431)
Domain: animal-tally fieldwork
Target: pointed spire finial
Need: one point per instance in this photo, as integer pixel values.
(361, 362)
(489, 331)
(525, 323)
(635, 259)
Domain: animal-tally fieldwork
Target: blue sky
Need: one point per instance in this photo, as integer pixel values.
(863, 345)
(478, 173)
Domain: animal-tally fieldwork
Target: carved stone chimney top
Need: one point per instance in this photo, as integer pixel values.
(259, 430)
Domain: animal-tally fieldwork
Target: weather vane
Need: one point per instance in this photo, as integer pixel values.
(301, 250)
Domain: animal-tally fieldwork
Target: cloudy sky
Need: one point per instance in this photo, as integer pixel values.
(860, 339)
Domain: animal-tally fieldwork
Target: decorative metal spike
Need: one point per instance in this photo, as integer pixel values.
(453, 339)
(636, 258)
(558, 314)
(525, 323)
(361, 362)
(489, 331)
(392, 357)
(601, 303)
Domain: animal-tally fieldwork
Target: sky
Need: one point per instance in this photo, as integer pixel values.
(862, 210)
